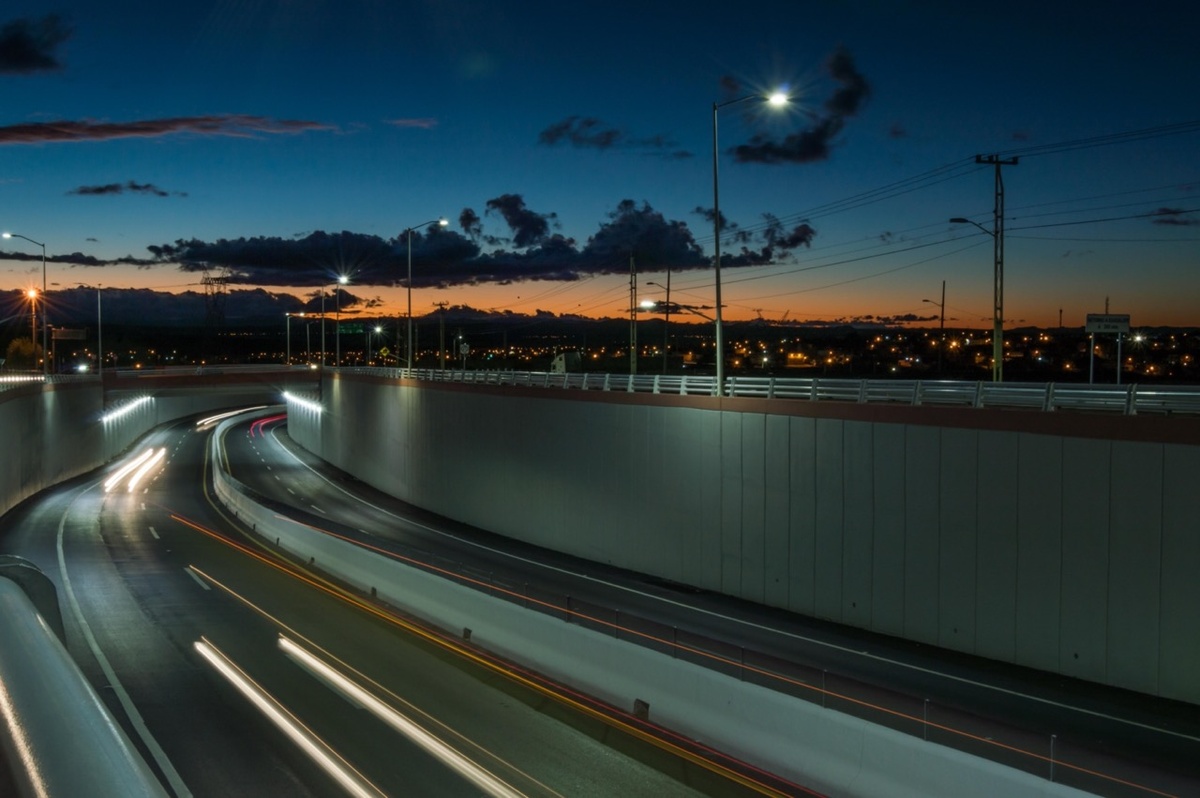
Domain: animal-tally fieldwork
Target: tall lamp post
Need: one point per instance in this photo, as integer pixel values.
(340, 281)
(777, 99)
(45, 361)
(289, 335)
(408, 340)
(941, 306)
(997, 295)
(666, 319)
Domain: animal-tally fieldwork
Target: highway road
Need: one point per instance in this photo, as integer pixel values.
(1107, 741)
(236, 673)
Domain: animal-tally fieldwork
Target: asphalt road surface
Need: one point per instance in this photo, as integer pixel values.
(237, 674)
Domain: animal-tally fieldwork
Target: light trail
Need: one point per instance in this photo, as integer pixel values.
(317, 749)
(447, 755)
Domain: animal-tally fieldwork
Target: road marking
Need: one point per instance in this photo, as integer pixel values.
(318, 509)
(197, 579)
(154, 533)
(143, 504)
(131, 711)
(291, 491)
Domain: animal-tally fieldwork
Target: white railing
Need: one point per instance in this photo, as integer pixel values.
(1131, 399)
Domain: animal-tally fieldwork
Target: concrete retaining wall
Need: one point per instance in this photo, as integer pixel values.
(1064, 542)
(821, 749)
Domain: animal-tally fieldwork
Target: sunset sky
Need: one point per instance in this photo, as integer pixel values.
(285, 142)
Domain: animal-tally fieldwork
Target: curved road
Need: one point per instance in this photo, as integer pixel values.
(237, 674)
(1144, 746)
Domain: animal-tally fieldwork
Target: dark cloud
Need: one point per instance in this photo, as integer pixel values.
(121, 188)
(236, 125)
(581, 132)
(1175, 217)
(470, 223)
(589, 132)
(424, 123)
(28, 45)
(528, 228)
(774, 243)
(815, 142)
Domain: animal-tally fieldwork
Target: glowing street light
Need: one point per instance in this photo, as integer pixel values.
(45, 361)
(408, 343)
(340, 282)
(777, 99)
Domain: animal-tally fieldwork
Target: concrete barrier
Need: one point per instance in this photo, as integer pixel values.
(61, 741)
(799, 741)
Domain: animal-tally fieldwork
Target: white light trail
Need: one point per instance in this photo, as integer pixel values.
(317, 749)
(214, 419)
(447, 755)
(146, 466)
(116, 478)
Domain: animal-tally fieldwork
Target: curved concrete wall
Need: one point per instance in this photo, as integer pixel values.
(54, 432)
(1065, 542)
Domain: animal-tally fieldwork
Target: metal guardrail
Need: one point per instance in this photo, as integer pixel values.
(1131, 399)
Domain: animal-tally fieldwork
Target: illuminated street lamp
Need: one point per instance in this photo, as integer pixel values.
(777, 99)
(408, 342)
(340, 281)
(45, 362)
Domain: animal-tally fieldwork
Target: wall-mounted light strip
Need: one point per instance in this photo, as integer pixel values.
(307, 404)
(124, 410)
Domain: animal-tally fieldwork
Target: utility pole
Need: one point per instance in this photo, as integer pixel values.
(632, 316)
(998, 273)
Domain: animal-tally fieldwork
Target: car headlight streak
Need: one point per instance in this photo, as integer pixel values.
(221, 416)
(139, 466)
(126, 409)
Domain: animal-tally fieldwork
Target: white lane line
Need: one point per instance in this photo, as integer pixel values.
(277, 479)
(743, 622)
(131, 711)
(289, 490)
(154, 533)
(318, 509)
(197, 579)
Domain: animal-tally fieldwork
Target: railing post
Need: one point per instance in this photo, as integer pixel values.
(1048, 403)
(1131, 399)
(1053, 738)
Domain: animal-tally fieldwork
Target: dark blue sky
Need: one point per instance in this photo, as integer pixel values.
(129, 125)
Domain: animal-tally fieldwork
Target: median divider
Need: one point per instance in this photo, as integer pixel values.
(799, 741)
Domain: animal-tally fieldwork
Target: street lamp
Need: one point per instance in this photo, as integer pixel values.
(340, 281)
(666, 319)
(289, 335)
(941, 306)
(45, 362)
(777, 99)
(33, 295)
(997, 294)
(408, 342)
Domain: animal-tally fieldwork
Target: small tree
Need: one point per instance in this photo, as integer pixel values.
(22, 355)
